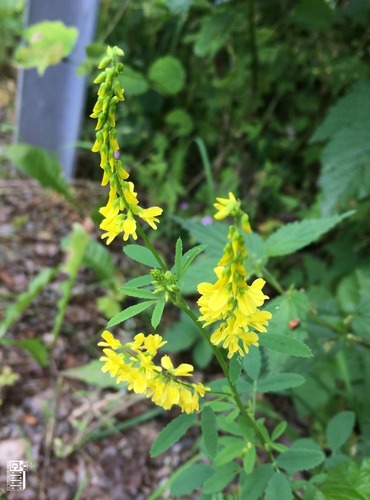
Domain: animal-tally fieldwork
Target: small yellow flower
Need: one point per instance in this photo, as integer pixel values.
(226, 207)
(110, 341)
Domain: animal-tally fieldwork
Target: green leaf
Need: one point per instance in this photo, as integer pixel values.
(172, 433)
(190, 479)
(100, 260)
(292, 237)
(178, 257)
(133, 82)
(339, 429)
(138, 293)
(232, 447)
(202, 353)
(279, 430)
(189, 256)
(305, 454)
(285, 344)
(346, 166)
(221, 478)
(140, 281)
(215, 31)
(167, 75)
(75, 252)
(280, 382)
(130, 312)
(23, 300)
(36, 348)
(314, 15)
(141, 254)
(209, 431)
(41, 166)
(348, 481)
(181, 122)
(181, 335)
(235, 368)
(157, 313)
(255, 484)
(91, 373)
(249, 458)
(278, 487)
(252, 363)
(48, 43)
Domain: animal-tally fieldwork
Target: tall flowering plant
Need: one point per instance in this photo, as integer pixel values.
(231, 319)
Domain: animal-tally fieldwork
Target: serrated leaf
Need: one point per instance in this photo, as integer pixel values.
(214, 236)
(41, 166)
(189, 256)
(23, 300)
(172, 433)
(167, 75)
(141, 254)
(190, 479)
(138, 293)
(130, 312)
(339, 429)
(215, 31)
(285, 344)
(48, 43)
(292, 237)
(278, 487)
(209, 431)
(348, 481)
(280, 382)
(221, 478)
(157, 313)
(91, 373)
(305, 454)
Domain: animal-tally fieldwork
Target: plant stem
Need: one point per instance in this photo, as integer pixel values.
(273, 281)
(253, 47)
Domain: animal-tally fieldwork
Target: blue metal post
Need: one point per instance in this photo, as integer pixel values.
(50, 107)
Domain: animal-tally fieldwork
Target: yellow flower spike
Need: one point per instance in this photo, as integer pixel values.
(226, 206)
(129, 227)
(153, 343)
(110, 341)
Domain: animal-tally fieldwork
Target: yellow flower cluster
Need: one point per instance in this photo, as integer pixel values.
(230, 299)
(123, 205)
(134, 365)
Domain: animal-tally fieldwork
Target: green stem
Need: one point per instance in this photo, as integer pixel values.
(250, 420)
(272, 281)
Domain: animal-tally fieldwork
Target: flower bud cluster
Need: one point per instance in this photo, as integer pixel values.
(133, 363)
(123, 205)
(230, 299)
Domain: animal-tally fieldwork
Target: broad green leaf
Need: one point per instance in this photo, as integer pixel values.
(346, 166)
(215, 31)
(133, 82)
(138, 293)
(202, 353)
(130, 312)
(221, 478)
(36, 348)
(23, 300)
(39, 165)
(172, 433)
(181, 122)
(235, 368)
(190, 479)
(252, 363)
(347, 481)
(280, 382)
(209, 431)
(339, 429)
(167, 74)
(292, 237)
(214, 235)
(278, 488)
(100, 260)
(48, 43)
(255, 483)
(157, 313)
(75, 252)
(304, 454)
(178, 257)
(141, 254)
(285, 344)
(91, 374)
(201, 271)
(181, 335)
